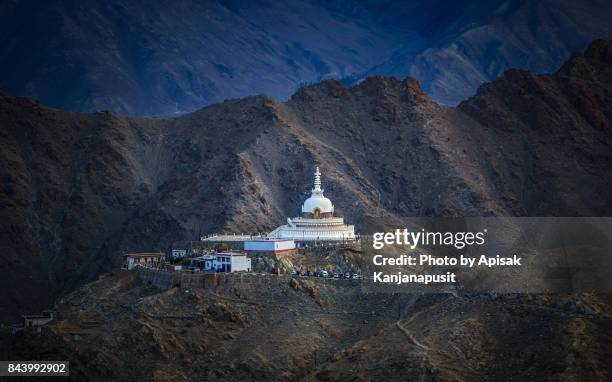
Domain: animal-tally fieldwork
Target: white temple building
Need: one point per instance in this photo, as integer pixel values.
(317, 222)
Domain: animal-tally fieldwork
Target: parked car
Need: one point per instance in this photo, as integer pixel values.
(357, 276)
(323, 273)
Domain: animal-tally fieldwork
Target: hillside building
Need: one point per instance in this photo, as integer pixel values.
(179, 253)
(223, 262)
(37, 320)
(148, 260)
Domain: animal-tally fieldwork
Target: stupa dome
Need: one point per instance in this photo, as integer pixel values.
(317, 202)
(318, 205)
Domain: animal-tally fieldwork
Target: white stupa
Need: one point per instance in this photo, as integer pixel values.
(317, 222)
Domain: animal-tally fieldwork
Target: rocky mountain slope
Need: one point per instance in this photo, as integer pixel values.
(80, 189)
(156, 58)
(312, 331)
(476, 41)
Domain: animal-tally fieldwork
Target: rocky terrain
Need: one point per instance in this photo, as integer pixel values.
(78, 190)
(302, 329)
(155, 58)
(468, 43)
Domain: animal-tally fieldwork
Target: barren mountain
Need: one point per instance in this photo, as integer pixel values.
(79, 189)
(156, 58)
(477, 41)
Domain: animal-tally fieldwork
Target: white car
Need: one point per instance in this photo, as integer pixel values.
(323, 273)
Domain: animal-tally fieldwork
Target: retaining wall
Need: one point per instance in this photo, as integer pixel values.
(164, 280)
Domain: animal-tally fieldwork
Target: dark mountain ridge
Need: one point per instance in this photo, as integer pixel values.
(159, 58)
(80, 189)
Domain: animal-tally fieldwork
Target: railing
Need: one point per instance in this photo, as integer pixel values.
(234, 237)
(228, 237)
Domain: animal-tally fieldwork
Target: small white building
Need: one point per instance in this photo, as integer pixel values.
(268, 245)
(224, 262)
(179, 253)
(37, 320)
(231, 262)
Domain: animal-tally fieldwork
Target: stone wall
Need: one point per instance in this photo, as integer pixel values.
(164, 280)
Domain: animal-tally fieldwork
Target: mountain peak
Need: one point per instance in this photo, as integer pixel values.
(380, 86)
(329, 88)
(407, 89)
(594, 64)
